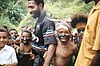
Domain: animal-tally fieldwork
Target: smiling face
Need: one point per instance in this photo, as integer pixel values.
(13, 34)
(80, 27)
(34, 9)
(25, 37)
(63, 35)
(3, 39)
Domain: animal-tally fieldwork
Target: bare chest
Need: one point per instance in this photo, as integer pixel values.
(63, 51)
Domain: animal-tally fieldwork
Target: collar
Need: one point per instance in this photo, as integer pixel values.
(96, 7)
(4, 48)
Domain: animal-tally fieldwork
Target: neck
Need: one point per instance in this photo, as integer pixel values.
(27, 44)
(41, 12)
(1, 48)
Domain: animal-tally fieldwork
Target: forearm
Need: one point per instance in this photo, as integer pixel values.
(14, 64)
(50, 53)
(96, 59)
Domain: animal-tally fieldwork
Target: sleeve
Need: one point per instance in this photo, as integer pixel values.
(97, 40)
(14, 57)
(49, 34)
(96, 45)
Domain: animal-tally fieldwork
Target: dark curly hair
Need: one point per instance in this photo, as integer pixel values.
(27, 31)
(38, 2)
(4, 30)
(78, 19)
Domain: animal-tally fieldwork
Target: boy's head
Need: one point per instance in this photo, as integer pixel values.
(13, 33)
(4, 36)
(63, 31)
(79, 22)
(26, 36)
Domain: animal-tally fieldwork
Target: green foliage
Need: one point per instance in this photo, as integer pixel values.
(27, 21)
(12, 9)
(63, 9)
(14, 12)
(86, 7)
(4, 20)
(4, 3)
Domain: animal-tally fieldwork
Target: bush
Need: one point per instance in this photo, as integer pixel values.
(4, 20)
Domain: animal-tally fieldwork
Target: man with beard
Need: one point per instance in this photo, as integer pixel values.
(44, 30)
(90, 47)
(65, 48)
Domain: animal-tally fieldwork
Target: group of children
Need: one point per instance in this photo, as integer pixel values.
(24, 53)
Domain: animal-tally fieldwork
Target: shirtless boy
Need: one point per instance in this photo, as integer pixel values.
(65, 48)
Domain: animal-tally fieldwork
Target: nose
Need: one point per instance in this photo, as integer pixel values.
(1, 39)
(31, 11)
(63, 34)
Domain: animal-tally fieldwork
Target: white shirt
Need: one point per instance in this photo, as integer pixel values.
(8, 55)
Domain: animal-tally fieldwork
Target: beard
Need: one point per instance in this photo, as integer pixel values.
(87, 1)
(36, 13)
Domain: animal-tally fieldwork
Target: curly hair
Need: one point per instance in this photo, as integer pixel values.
(78, 19)
(38, 2)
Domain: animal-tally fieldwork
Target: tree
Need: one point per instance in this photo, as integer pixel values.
(13, 9)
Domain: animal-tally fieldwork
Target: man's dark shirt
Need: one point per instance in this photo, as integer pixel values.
(44, 30)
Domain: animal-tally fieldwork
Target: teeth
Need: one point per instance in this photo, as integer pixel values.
(63, 38)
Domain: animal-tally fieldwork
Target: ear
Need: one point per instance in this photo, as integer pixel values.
(40, 6)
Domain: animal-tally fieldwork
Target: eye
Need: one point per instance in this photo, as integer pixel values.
(15, 33)
(31, 7)
(65, 32)
(4, 37)
(11, 33)
(83, 29)
(79, 30)
(60, 32)
(27, 38)
(23, 36)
